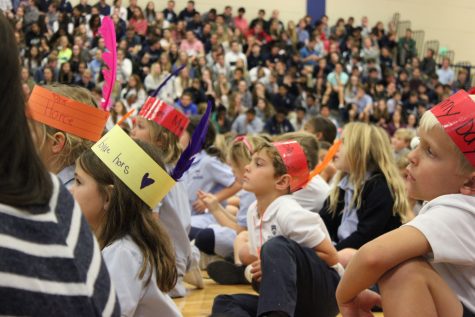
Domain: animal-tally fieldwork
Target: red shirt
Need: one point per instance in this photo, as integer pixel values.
(140, 26)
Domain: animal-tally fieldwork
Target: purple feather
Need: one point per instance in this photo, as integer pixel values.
(174, 73)
(196, 143)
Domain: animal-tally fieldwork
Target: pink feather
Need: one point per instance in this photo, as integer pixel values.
(107, 30)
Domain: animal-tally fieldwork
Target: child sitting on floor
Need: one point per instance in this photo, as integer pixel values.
(295, 261)
(426, 267)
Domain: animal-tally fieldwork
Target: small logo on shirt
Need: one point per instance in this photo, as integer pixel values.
(273, 228)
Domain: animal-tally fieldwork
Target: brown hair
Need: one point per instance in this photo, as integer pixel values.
(277, 161)
(304, 140)
(24, 182)
(209, 142)
(127, 214)
(322, 125)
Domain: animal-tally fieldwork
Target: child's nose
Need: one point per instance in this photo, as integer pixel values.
(412, 156)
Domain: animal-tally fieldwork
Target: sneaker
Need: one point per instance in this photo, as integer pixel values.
(206, 259)
(226, 273)
(193, 277)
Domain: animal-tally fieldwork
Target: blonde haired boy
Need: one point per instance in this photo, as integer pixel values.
(427, 266)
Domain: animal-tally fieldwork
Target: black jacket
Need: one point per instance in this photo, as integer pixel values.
(375, 216)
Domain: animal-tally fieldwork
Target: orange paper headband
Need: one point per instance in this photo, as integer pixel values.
(296, 162)
(66, 114)
(168, 117)
(456, 114)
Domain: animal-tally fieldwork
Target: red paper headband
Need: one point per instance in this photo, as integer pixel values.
(296, 162)
(456, 114)
(168, 117)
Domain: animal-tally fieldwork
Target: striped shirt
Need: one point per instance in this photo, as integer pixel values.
(51, 264)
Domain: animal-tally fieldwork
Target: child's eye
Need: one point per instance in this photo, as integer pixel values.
(77, 181)
(429, 151)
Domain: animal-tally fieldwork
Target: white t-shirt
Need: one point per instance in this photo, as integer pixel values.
(124, 260)
(285, 217)
(448, 224)
(312, 196)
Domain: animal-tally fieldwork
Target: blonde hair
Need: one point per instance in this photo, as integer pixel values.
(307, 141)
(169, 142)
(239, 152)
(367, 150)
(405, 134)
(429, 122)
(74, 146)
(402, 162)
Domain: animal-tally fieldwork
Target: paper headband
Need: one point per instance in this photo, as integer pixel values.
(456, 114)
(243, 139)
(168, 117)
(66, 114)
(129, 162)
(296, 162)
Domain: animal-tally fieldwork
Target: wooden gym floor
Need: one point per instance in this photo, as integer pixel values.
(197, 303)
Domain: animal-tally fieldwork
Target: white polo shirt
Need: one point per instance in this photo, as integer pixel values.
(448, 224)
(285, 217)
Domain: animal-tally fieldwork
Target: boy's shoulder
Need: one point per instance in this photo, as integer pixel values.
(451, 201)
(445, 214)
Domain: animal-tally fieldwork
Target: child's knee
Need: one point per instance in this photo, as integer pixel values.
(242, 237)
(409, 271)
(205, 241)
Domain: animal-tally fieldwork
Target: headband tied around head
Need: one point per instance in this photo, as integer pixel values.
(456, 114)
(295, 161)
(66, 114)
(164, 115)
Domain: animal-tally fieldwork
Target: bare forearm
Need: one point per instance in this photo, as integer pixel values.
(329, 259)
(360, 274)
(379, 256)
(224, 218)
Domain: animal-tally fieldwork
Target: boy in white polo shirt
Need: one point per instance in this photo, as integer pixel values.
(427, 266)
(293, 251)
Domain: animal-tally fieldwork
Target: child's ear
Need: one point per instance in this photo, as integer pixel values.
(319, 135)
(468, 188)
(108, 196)
(283, 182)
(59, 140)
